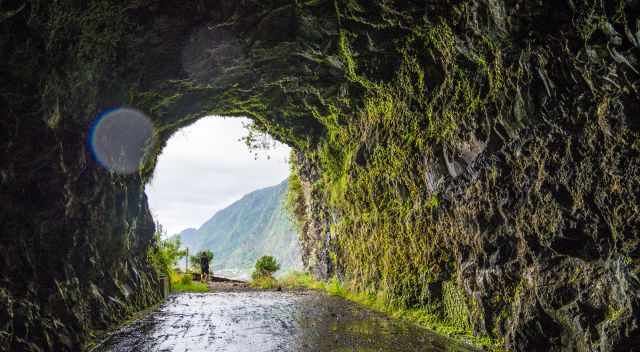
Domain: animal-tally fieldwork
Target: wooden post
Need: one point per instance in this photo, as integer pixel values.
(164, 285)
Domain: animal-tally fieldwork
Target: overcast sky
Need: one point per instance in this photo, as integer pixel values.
(204, 168)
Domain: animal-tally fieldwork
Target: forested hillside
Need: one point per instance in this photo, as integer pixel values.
(253, 226)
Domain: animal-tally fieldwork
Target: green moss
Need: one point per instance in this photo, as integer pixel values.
(295, 203)
(636, 144)
(614, 313)
(391, 238)
(455, 306)
(433, 202)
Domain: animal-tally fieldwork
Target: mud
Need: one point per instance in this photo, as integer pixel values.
(261, 321)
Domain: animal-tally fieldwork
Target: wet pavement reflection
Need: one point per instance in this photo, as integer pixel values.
(261, 321)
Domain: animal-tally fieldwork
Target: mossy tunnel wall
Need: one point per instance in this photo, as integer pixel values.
(476, 158)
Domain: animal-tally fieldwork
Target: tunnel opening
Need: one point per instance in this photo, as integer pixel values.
(220, 186)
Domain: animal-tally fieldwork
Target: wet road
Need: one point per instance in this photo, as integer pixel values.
(262, 321)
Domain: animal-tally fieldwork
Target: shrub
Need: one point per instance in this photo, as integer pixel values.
(265, 267)
(184, 283)
(186, 279)
(194, 260)
(265, 282)
(164, 254)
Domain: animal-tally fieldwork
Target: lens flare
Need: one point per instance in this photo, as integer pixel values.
(118, 138)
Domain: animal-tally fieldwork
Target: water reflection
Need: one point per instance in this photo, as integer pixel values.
(271, 321)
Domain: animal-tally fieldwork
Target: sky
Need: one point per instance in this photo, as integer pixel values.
(204, 168)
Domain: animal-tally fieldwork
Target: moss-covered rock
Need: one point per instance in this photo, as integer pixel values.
(471, 157)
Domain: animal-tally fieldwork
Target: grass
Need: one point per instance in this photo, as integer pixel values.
(378, 303)
(296, 279)
(184, 283)
(265, 283)
(192, 287)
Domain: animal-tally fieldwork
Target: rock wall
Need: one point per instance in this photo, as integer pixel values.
(74, 238)
(489, 170)
(476, 159)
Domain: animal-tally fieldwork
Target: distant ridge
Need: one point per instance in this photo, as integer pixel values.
(253, 226)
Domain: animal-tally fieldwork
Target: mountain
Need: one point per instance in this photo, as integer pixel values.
(253, 226)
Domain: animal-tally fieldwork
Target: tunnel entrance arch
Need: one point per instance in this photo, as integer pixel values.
(482, 150)
(215, 193)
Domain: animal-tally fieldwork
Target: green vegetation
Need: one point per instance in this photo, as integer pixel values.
(265, 282)
(266, 266)
(297, 279)
(262, 276)
(185, 283)
(164, 257)
(381, 132)
(164, 254)
(195, 259)
(255, 225)
(294, 201)
(395, 241)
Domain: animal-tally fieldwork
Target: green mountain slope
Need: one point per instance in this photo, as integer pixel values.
(253, 226)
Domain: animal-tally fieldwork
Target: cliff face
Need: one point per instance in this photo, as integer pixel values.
(478, 159)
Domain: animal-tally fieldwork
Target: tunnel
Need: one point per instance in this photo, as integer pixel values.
(477, 159)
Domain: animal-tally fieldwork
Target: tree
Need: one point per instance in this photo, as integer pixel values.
(195, 259)
(194, 263)
(265, 267)
(208, 254)
(164, 254)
